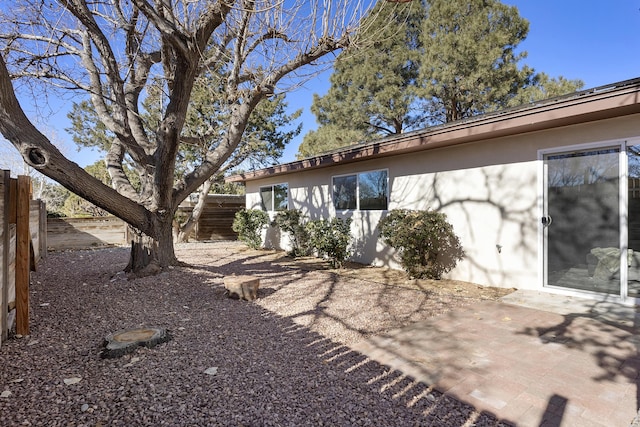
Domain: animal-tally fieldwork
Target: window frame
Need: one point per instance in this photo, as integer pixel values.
(272, 187)
(357, 194)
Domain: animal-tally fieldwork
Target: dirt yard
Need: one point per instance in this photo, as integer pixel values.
(282, 360)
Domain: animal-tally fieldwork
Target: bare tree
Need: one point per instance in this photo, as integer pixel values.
(116, 49)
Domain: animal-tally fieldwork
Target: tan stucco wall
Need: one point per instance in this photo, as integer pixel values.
(489, 190)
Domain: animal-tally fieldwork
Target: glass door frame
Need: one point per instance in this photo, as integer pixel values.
(623, 215)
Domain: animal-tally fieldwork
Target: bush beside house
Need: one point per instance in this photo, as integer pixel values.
(427, 245)
(425, 240)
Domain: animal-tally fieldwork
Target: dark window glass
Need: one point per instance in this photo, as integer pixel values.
(280, 197)
(373, 192)
(344, 192)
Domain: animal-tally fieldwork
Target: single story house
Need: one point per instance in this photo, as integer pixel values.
(543, 197)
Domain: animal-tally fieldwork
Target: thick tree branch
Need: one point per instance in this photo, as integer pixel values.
(43, 156)
(240, 116)
(223, 151)
(119, 180)
(214, 16)
(170, 33)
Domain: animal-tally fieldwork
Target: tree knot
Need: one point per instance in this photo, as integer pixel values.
(37, 157)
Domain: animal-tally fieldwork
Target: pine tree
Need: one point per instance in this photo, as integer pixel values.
(427, 62)
(544, 87)
(470, 64)
(373, 90)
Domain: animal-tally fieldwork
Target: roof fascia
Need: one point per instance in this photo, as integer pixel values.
(592, 105)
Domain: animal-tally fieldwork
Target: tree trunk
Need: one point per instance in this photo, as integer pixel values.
(151, 255)
(186, 228)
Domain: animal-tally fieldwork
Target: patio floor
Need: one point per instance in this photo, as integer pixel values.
(566, 362)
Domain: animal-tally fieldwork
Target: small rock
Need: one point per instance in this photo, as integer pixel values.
(84, 407)
(131, 362)
(5, 394)
(17, 380)
(45, 304)
(72, 380)
(211, 371)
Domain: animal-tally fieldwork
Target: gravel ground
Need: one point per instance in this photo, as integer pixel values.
(283, 360)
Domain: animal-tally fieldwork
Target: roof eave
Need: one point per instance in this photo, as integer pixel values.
(587, 106)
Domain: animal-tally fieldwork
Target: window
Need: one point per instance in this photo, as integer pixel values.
(275, 197)
(344, 192)
(364, 191)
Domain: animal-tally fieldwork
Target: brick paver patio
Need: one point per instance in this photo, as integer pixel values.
(527, 366)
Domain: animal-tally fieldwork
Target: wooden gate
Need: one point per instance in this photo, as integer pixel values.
(22, 243)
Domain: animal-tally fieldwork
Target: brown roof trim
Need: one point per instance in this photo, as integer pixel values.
(615, 100)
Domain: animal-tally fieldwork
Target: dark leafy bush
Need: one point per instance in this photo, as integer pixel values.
(291, 221)
(249, 223)
(425, 240)
(331, 238)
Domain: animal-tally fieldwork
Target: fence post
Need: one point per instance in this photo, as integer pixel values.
(5, 179)
(43, 228)
(23, 255)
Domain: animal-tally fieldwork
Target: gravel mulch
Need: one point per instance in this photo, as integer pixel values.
(283, 360)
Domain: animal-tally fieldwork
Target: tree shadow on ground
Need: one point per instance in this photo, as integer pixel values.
(270, 370)
(605, 333)
(319, 308)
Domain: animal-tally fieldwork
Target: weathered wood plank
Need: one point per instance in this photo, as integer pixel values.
(5, 178)
(42, 227)
(23, 267)
(217, 217)
(34, 229)
(11, 268)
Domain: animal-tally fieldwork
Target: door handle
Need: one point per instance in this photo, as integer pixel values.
(546, 220)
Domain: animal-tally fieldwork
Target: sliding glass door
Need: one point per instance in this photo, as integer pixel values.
(582, 220)
(633, 214)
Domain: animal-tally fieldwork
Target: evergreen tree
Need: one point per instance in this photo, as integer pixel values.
(373, 89)
(470, 64)
(328, 138)
(544, 87)
(428, 63)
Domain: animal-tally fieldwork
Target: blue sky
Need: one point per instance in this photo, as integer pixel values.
(595, 41)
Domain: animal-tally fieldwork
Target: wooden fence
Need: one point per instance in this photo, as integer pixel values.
(23, 243)
(217, 217)
(86, 233)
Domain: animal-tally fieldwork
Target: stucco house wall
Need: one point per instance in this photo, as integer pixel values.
(490, 189)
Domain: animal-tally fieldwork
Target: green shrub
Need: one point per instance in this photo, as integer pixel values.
(248, 223)
(331, 238)
(425, 240)
(291, 222)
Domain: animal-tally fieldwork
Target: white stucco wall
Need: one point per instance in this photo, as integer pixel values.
(490, 191)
